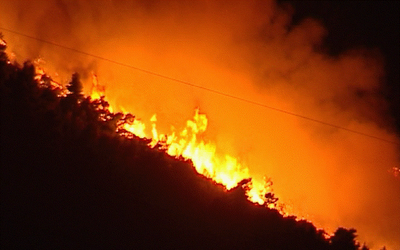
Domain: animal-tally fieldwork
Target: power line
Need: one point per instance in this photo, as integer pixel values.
(200, 87)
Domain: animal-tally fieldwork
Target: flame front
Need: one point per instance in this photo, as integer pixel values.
(190, 144)
(97, 90)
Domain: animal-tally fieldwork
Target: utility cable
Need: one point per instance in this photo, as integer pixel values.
(200, 87)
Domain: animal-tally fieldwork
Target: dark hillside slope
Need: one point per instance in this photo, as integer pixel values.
(69, 181)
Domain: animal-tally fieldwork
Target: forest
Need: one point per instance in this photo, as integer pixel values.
(72, 179)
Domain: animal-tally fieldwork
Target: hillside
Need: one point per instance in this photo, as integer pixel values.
(69, 180)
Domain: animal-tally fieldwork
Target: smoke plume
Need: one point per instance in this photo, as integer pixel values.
(248, 49)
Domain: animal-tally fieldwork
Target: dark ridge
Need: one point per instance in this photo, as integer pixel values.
(69, 180)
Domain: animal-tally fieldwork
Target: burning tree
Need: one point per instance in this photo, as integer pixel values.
(69, 179)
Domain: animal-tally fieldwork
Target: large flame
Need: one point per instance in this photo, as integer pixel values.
(254, 50)
(190, 143)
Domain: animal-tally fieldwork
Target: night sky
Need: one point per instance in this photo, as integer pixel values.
(361, 24)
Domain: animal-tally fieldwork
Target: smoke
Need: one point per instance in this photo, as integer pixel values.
(249, 49)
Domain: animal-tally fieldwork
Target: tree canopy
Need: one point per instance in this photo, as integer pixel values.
(69, 180)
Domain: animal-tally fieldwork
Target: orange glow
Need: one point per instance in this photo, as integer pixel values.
(2, 42)
(44, 79)
(97, 91)
(190, 144)
(395, 171)
(252, 50)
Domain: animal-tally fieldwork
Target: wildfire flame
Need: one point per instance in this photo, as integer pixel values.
(97, 90)
(190, 144)
(3, 43)
(45, 80)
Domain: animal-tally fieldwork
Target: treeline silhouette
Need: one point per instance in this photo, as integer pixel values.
(69, 180)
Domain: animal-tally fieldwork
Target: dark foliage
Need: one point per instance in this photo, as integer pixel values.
(70, 181)
(344, 239)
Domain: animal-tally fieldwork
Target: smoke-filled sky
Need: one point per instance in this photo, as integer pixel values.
(262, 51)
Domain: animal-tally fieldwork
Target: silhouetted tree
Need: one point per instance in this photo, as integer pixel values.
(70, 181)
(3, 46)
(270, 199)
(344, 239)
(75, 87)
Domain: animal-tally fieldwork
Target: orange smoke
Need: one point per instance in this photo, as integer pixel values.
(248, 49)
(189, 144)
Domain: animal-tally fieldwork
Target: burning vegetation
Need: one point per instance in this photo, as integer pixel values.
(264, 52)
(189, 145)
(77, 175)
